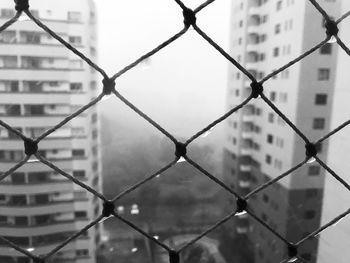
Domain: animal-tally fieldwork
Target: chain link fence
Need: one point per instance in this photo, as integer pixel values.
(31, 145)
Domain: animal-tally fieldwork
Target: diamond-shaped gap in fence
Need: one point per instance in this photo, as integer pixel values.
(206, 149)
(178, 106)
(133, 150)
(145, 30)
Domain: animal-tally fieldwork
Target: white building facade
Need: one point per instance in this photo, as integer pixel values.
(265, 35)
(41, 83)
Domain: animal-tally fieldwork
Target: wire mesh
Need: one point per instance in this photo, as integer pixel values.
(31, 145)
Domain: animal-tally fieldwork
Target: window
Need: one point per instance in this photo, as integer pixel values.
(75, 40)
(277, 29)
(262, 38)
(309, 214)
(8, 62)
(76, 86)
(278, 5)
(234, 141)
(7, 13)
(268, 159)
(18, 178)
(270, 138)
(265, 198)
(314, 170)
(82, 252)
(318, 123)
(310, 193)
(74, 16)
(321, 99)
(271, 117)
(264, 18)
(272, 96)
(326, 49)
(3, 220)
(276, 51)
(79, 174)
(323, 74)
(78, 152)
(80, 214)
(8, 37)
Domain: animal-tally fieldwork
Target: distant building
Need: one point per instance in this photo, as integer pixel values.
(41, 83)
(265, 35)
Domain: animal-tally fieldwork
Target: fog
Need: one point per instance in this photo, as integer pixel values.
(183, 86)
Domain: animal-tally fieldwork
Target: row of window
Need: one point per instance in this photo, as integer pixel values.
(42, 199)
(48, 63)
(71, 16)
(39, 220)
(35, 38)
(19, 178)
(53, 154)
(37, 110)
(43, 86)
(42, 240)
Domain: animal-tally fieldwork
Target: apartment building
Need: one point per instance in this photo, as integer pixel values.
(41, 83)
(334, 242)
(265, 35)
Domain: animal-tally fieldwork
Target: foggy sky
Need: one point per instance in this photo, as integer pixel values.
(184, 86)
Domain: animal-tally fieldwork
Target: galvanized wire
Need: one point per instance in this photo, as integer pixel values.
(31, 144)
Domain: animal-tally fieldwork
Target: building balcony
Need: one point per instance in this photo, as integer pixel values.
(245, 168)
(254, 17)
(38, 229)
(247, 134)
(242, 230)
(253, 3)
(244, 184)
(253, 39)
(246, 151)
(37, 188)
(254, 11)
(34, 210)
(253, 29)
(248, 117)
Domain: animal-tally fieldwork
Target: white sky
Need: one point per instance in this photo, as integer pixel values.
(186, 81)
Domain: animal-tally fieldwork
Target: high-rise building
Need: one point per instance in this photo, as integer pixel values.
(334, 242)
(41, 83)
(265, 35)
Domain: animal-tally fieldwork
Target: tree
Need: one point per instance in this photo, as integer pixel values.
(197, 253)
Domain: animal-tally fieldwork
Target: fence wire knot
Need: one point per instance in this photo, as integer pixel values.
(30, 147)
(21, 5)
(108, 86)
(311, 150)
(331, 28)
(241, 205)
(292, 251)
(257, 89)
(108, 209)
(189, 17)
(174, 256)
(180, 150)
